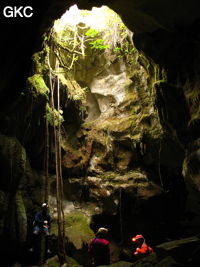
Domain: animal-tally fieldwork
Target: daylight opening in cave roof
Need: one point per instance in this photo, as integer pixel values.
(98, 18)
(85, 44)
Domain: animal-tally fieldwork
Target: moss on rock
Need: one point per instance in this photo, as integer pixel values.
(38, 86)
(77, 229)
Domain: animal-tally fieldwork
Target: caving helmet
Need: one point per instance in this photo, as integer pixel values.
(102, 231)
(44, 205)
(137, 238)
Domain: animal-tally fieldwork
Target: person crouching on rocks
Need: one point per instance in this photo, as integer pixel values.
(141, 248)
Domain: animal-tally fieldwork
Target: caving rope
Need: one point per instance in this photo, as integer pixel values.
(59, 180)
(46, 163)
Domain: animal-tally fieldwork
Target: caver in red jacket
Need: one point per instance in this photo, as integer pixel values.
(142, 249)
(99, 249)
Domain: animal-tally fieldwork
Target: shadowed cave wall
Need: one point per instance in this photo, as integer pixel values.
(168, 36)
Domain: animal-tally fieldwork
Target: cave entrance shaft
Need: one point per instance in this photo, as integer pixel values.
(97, 86)
(81, 38)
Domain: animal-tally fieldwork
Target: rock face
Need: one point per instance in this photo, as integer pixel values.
(118, 163)
(127, 149)
(120, 118)
(108, 150)
(20, 190)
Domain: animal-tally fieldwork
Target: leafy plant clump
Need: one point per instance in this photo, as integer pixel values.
(99, 44)
(73, 41)
(53, 116)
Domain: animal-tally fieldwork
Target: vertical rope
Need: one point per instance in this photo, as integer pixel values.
(59, 184)
(60, 178)
(47, 163)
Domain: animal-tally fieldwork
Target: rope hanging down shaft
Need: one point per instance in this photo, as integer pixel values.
(59, 178)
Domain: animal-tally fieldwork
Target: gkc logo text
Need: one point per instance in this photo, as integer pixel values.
(14, 11)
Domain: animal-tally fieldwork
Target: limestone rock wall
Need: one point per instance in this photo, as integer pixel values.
(152, 126)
